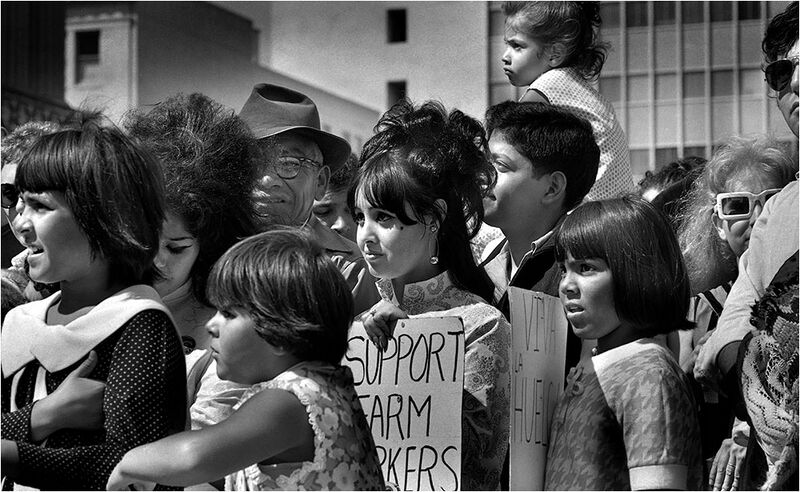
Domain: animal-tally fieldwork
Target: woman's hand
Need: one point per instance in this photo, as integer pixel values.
(77, 403)
(118, 480)
(727, 467)
(379, 322)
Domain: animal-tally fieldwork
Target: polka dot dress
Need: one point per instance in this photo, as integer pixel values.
(564, 87)
(142, 365)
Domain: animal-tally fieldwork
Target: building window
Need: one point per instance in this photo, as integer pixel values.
(609, 12)
(396, 25)
(666, 155)
(694, 84)
(87, 54)
(640, 161)
(721, 11)
(749, 10)
(664, 13)
(638, 88)
(497, 23)
(610, 88)
(692, 12)
(635, 14)
(395, 90)
(699, 151)
(722, 83)
(666, 87)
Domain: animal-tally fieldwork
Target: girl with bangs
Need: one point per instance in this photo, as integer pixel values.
(300, 426)
(61, 429)
(417, 203)
(626, 419)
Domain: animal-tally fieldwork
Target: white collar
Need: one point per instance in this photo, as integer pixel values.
(26, 336)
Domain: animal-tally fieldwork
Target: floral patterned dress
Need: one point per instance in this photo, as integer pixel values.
(344, 458)
(487, 386)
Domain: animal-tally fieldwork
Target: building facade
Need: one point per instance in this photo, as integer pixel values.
(682, 76)
(122, 55)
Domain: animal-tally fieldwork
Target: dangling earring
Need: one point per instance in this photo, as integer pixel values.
(435, 257)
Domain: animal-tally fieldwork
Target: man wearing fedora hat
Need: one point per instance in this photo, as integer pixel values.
(299, 174)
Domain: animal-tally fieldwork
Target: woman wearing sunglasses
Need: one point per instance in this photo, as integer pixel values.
(723, 206)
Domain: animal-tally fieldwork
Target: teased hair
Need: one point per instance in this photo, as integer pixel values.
(421, 154)
(16, 143)
(781, 34)
(573, 24)
(553, 139)
(268, 275)
(112, 186)
(651, 287)
(708, 257)
(671, 173)
(209, 159)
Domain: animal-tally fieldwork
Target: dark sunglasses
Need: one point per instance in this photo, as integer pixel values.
(10, 195)
(740, 204)
(779, 73)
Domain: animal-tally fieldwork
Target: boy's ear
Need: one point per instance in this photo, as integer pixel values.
(556, 190)
(557, 54)
(718, 226)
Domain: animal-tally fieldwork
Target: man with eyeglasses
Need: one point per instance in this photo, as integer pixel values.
(752, 355)
(288, 125)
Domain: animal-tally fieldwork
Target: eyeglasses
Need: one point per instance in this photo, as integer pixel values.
(739, 204)
(288, 166)
(10, 195)
(779, 73)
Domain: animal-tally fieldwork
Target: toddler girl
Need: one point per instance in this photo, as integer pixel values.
(301, 425)
(626, 419)
(99, 249)
(552, 48)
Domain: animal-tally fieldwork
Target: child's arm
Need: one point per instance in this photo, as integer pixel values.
(532, 95)
(271, 422)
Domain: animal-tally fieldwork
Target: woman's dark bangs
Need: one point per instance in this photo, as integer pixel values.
(581, 235)
(385, 186)
(45, 166)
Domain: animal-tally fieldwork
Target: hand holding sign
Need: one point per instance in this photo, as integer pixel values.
(379, 322)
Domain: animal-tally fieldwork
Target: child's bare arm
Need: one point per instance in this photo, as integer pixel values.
(269, 423)
(532, 95)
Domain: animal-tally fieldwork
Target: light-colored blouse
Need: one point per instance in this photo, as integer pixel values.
(487, 337)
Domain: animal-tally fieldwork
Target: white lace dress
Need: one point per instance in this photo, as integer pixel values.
(344, 456)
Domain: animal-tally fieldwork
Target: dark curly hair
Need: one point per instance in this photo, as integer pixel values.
(210, 163)
(268, 275)
(573, 24)
(344, 176)
(781, 34)
(421, 154)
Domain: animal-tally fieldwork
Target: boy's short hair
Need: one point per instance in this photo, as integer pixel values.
(291, 289)
(343, 178)
(113, 187)
(553, 139)
(651, 285)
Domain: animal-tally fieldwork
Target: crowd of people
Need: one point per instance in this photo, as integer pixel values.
(180, 310)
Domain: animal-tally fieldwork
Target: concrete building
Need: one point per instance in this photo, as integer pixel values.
(682, 76)
(121, 55)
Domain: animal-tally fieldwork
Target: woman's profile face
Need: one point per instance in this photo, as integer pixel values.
(393, 250)
(177, 252)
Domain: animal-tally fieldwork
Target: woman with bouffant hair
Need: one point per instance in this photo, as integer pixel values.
(209, 160)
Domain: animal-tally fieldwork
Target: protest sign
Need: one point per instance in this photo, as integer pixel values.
(538, 353)
(412, 396)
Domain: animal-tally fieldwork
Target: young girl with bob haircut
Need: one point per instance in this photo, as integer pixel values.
(417, 202)
(554, 49)
(99, 248)
(626, 419)
(301, 426)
